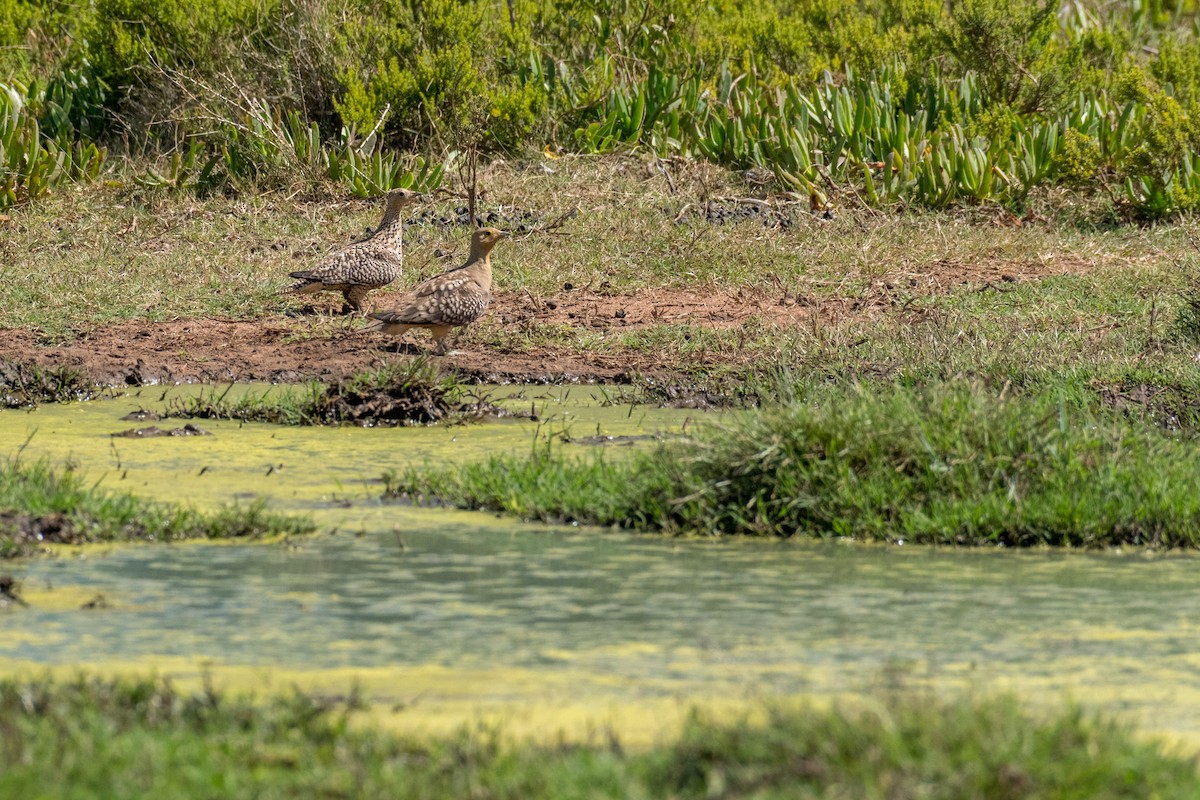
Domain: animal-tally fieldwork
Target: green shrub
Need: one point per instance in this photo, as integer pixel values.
(896, 101)
(71, 103)
(17, 25)
(517, 116)
(1079, 160)
(1160, 169)
(756, 36)
(30, 164)
(35, 37)
(129, 41)
(429, 71)
(1177, 65)
(1010, 44)
(166, 60)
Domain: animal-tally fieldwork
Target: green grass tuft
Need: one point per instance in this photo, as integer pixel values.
(40, 505)
(950, 464)
(141, 739)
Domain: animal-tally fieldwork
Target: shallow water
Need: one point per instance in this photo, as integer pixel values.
(450, 616)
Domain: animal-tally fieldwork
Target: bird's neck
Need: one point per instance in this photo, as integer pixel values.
(481, 265)
(390, 232)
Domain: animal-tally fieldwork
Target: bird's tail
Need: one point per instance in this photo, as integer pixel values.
(386, 322)
(299, 286)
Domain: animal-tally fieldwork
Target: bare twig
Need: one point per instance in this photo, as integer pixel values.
(382, 118)
(556, 223)
(468, 175)
(683, 212)
(658, 162)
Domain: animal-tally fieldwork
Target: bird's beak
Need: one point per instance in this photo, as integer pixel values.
(505, 235)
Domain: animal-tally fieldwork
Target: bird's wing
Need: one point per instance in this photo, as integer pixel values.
(438, 300)
(359, 263)
(446, 282)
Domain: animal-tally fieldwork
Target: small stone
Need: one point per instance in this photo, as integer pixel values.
(141, 415)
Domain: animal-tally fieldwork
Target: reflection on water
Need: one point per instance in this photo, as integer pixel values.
(468, 609)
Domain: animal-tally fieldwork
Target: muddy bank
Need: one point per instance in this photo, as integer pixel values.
(23, 534)
(309, 345)
(219, 351)
(297, 344)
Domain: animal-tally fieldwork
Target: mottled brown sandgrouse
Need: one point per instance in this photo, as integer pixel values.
(451, 300)
(375, 261)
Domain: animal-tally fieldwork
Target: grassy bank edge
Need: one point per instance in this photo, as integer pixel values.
(41, 505)
(144, 738)
(943, 464)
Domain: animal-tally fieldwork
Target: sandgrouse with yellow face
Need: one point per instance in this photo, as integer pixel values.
(374, 262)
(451, 300)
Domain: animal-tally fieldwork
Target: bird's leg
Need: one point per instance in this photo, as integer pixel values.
(354, 297)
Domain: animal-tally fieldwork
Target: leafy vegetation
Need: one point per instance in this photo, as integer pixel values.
(877, 101)
(31, 164)
(140, 738)
(40, 505)
(947, 464)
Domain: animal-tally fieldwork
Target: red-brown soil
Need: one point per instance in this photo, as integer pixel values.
(279, 348)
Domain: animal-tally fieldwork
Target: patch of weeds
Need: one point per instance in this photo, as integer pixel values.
(28, 385)
(752, 339)
(736, 389)
(908, 743)
(413, 393)
(949, 463)
(1173, 407)
(531, 337)
(40, 506)
(514, 221)
(1186, 326)
(731, 211)
(145, 738)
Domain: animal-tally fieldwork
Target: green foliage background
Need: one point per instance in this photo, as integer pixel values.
(993, 97)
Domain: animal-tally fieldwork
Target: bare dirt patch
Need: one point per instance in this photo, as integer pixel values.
(281, 349)
(776, 303)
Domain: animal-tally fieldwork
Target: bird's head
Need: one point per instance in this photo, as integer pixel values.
(484, 239)
(398, 198)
